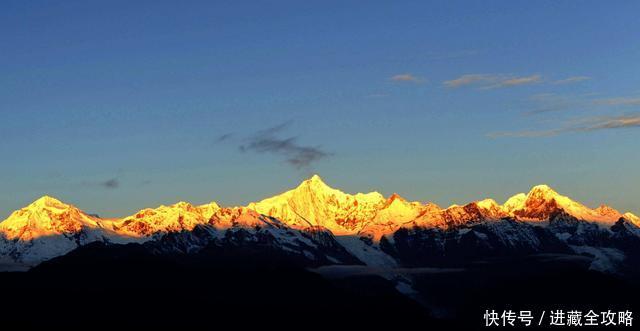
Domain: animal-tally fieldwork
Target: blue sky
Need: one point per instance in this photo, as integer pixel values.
(115, 106)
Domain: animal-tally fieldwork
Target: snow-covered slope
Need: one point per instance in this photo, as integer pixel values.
(181, 216)
(632, 218)
(46, 216)
(306, 219)
(542, 201)
(46, 228)
(313, 203)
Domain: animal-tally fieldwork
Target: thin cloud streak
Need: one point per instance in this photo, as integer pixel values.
(224, 137)
(112, 183)
(533, 79)
(524, 134)
(619, 101)
(470, 79)
(587, 125)
(491, 81)
(619, 122)
(547, 109)
(407, 78)
(551, 102)
(570, 80)
(109, 184)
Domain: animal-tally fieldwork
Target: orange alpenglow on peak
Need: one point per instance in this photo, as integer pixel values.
(314, 203)
(515, 202)
(314, 181)
(543, 201)
(181, 216)
(311, 204)
(543, 189)
(46, 216)
(394, 197)
(488, 203)
(48, 201)
(315, 178)
(632, 218)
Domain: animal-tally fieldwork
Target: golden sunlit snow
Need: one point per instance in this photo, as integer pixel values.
(312, 204)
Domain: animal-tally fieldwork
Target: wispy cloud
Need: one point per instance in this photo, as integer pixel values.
(583, 125)
(471, 79)
(571, 80)
(516, 81)
(491, 81)
(110, 183)
(623, 101)
(525, 134)
(224, 137)
(551, 102)
(407, 78)
(620, 122)
(547, 109)
(270, 141)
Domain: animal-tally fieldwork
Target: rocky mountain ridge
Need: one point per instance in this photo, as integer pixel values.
(313, 216)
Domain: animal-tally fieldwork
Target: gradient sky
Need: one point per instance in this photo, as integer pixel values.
(119, 105)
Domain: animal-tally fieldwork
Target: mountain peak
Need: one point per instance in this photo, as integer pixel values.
(47, 201)
(515, 202)
(314, 180)
(317, 185)
(46, 217)
(182, 205)
(46, 198)
(543, 189)
(487, 204)
(396, 196)
(632, 218)
(605, 210)
(542, 201)
(314, 203)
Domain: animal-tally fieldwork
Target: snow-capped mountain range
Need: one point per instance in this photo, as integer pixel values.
(328, 226)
